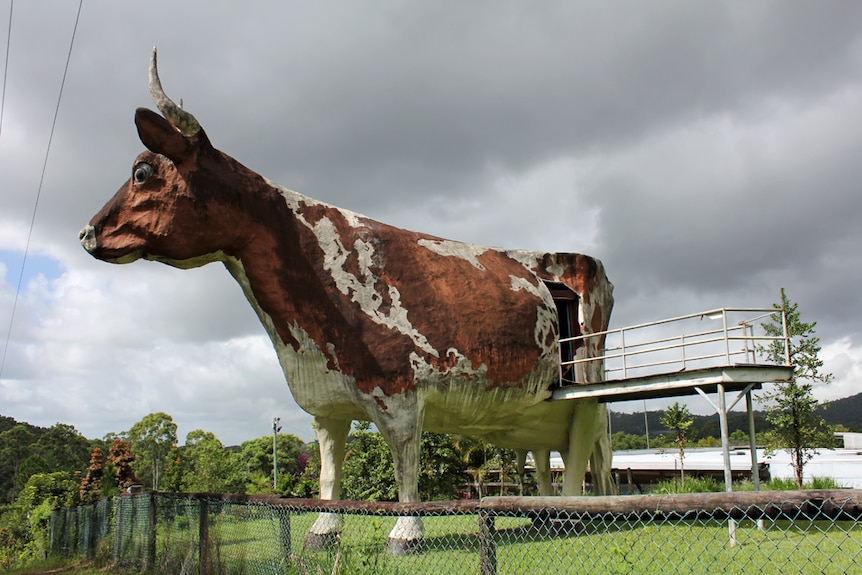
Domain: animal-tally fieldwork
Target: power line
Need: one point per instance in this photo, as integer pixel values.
(41, 182)
(6, 65)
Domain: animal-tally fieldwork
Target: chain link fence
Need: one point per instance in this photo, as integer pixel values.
(761, 532)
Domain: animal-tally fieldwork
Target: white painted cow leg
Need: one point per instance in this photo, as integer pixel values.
(405, 442)
(582, 436)
(331, 437)
(600, 460)
(542, 459)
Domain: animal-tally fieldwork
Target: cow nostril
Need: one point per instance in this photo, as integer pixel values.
(87, 237)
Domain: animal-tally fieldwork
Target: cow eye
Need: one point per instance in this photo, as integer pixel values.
(142, 172)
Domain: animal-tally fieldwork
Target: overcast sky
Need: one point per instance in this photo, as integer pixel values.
(707, 152)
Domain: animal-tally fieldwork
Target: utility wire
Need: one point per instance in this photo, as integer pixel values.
(39, 191)
(6, 65)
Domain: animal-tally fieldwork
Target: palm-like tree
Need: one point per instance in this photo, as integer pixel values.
(678, 419)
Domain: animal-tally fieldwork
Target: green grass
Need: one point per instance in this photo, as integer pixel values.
(700, 547)
(452, 547)
(249, 540)
(61, 566)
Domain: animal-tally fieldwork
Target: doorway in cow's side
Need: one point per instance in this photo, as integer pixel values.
(567, 303)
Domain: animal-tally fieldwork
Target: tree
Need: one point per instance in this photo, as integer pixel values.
(121, 457)
(474, 456)
(791, 406)
(293, 470)
(256, 460)
(63, 448)
(172, 476)
(151, 439)
(90, 487)
(295, 477)
(678, 420)
(209, 466)
(441, 469)
(15, 448)
(479, 459)
(32, 465)
(32, 509)
(368, 473)
(622, 441)
(738, 437)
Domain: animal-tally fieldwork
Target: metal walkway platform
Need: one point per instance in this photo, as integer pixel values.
(683, 356)
(682, 348)
(737, 377)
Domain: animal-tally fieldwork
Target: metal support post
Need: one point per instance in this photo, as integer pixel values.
(725, 452)
(725, 441)
(752, 442)
(786, 337)
(623, 352)
(726, 339)
(275, 429)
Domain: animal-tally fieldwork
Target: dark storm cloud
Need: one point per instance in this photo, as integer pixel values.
(705, 151)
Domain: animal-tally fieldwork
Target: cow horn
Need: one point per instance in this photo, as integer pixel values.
(179, 118)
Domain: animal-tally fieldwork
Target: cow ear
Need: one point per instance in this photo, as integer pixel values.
(159, 136)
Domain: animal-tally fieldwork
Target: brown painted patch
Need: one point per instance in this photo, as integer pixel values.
(381, 404)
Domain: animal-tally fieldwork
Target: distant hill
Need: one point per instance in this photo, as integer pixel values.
(846, 412)
(7, 423)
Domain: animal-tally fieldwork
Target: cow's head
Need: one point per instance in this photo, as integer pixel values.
(167, 210)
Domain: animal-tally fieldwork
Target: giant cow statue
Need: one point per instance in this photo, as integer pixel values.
(369, 321)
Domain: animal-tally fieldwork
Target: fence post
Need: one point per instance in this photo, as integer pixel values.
(203, 537)
(112, 507)
(58, 518)
(731, 530)
(90, 535)
(150, 559)
(51, 527)
(487, 544)
(73, 526)
(284, 530)
(120, 527)
(80, 529)
(60, 536)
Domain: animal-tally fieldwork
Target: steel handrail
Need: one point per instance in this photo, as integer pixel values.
(726, 334)
(704, 314)
(667, 347)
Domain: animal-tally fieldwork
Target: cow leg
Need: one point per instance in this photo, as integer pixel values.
(600, 460)
(521, 454)
(542, 458)
(405, 442)
(332, 438)
(582, 437)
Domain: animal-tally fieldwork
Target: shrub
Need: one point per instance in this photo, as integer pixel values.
(691, 485)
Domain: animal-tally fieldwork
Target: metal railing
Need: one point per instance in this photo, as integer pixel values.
(659, 347)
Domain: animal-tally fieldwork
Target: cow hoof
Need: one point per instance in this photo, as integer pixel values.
(320, 541)
(401, 547)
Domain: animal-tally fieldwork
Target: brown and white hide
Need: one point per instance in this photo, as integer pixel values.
(369, 321)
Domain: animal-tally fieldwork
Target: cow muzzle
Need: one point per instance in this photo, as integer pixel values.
(87, 236)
